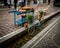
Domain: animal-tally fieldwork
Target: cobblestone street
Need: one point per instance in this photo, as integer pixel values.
(7, 23)
(7, 19)
(52, 39)
(43, 33)
(37, 27)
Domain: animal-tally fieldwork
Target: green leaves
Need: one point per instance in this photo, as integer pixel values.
(29, 16)
(41, 13)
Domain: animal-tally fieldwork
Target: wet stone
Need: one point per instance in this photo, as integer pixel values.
(56, 39)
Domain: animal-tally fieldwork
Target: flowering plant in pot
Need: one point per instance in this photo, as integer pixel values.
(30, 18)
(25, 25)
(40, 15)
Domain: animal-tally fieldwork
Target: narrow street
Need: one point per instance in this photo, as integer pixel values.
(46, 35)
(24, 39)
(7, 19)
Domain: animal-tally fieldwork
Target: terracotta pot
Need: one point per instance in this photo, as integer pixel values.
(44, 13)
(25, 25)
(39, 18)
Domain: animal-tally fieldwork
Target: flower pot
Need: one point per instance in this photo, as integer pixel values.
(30, 21)
(25, 25)
(41, 13)
(44, 13)
(39, 18)
(30, 18)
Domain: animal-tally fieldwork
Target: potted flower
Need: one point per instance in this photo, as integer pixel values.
(44, 13)
(30, 18)
(25, 25)
(40, 15)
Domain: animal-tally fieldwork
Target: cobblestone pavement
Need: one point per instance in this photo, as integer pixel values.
(52, 39)
(7, 20)
(7, 23)
(24, 39)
